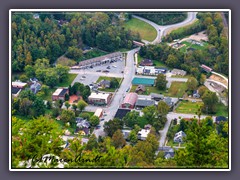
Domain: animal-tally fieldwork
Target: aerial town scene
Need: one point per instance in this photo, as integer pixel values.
(140, 89)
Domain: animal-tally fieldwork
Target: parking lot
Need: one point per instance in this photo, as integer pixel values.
(90, 75)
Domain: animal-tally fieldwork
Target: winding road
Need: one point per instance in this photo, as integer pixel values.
(162, 30)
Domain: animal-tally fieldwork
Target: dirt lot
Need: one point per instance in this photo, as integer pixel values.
(218, 78)
(198, 37)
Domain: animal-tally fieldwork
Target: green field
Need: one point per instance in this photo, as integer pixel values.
(195, 46)
(222, 110)
(177, 89)
(188, 107)
(146, 31)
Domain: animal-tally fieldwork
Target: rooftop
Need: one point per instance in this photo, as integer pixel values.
(144, 133)
(98, 112)
(143, 81)
(121, 113)
(18, 84)
(15, 90)
(130, 98)
(60, 92)
(99, 95)
(144, 102)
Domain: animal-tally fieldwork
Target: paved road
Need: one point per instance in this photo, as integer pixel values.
(170, 117)
(111, 110)
(162, 30)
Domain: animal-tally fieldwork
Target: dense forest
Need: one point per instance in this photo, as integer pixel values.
(163, 18)
(54, 34)
(215, 55)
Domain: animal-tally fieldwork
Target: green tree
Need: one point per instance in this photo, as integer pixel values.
(202, 89)
(67, 104)
(133, 137)
(92, 143)
(192, 84)
(62, 72)
(210, 101)
(112, 126)
(45, 89)
(23, 78)
(29, 70)
(94, 120)
(172, 61)
(149, 113)
(162, 109)
(74, 106)
(67, 116)
(118, 139)
(114, 83)
(81, 105)
(131, 118)
(25, 106)
(39, 107)
(161, 82)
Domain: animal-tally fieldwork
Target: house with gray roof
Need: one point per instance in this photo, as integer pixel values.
(142, 103)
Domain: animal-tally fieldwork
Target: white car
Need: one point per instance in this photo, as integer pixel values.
(114, 66)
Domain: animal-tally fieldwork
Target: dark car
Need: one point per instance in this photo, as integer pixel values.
(102, 119)
(106, 71)
(98, 127)
(98, 70)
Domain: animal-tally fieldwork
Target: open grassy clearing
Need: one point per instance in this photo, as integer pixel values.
(109, 79)
(177, 89)
(188, 107)
(67, 82)
(146, 31)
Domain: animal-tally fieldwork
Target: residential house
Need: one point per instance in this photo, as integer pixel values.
(60, 94)
(168, 152)
(82, 131)
(99, 98)
(179, 137)
(82, 123)
(196, 94)
(142, 135)
(178, 72)
(142, 103)
(126, 133)
(220, 119)
(18, 84)
(146, 62)
(16, 91)
(140, 89)
(121, 113)
(105, 83)
(168, 101)
(148, 126)
(35, 87)
(129, 101)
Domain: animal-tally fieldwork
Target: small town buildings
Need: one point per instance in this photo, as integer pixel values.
(35, 87)
(151, 70)
(146, 62)
(168, 101)
(18, 84)
(60, 94)
(196, 94)
(220, 119)
(126, 133)
(142, 135)
(206, 68)
(140, 89)
(15, 91)
(98, 112)
(82, 123)
(156, 97)
(142, 103)
(105, 83)
(99, 98)
(143, 81)
(121, 113)
(168, 152)
(178, 138)
(178, 72)
(130, 100)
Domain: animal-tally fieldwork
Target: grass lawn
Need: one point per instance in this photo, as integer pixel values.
(188, 107)
(222, 110)
(195, 46)
(48, 96)
(68, 82)
(108, 78)
(177, 89)
(146, 31)
(155, 62)
(149, 89)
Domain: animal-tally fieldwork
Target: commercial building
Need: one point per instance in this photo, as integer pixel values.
(60, 94)
(130, 100)
(143, 81)
(99, 98)
(142, 103)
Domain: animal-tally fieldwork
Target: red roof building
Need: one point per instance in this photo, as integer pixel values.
(130, 100)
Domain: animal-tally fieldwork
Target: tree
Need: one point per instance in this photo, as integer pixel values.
(67, 104)
(39, 107)
(161, 82)
(201, 90)
(172, 61)
(94, 120)
(81, 105)
(202, 78)
(51, 78)
(66, 98)
(67, 116)
(45, 89)
(74, 106)
(85, 115)
(149, 113)
(23, 78)
(74, 53)
(92, 143)
(210, 101)
(112, 126)
(133, 137)
(118, 139)
(114, 83)
(25, 105)
(29, 70)
(131, 118)
(62, 72)
(162, 108)
(49, 104)
(192, 84)
(204, 147)
(36, 138)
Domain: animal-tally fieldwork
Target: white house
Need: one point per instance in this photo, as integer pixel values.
(143, 134)
(179, 137)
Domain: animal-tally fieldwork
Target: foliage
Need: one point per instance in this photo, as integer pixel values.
(210, 101)
(118, 139)
(94, 120)
(192, 84)
(112, 126)
(81, 105)
(68, 116)
(161, 82)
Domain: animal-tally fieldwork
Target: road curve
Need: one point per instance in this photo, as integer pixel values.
(161, 30)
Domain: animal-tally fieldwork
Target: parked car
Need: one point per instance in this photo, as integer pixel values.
(102, 119)
(98, 126)
(98, 70)
(114, 66)
(83, 76)
(106, 71)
